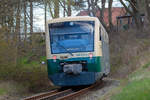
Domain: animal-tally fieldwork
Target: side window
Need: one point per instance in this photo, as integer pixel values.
(100, 34)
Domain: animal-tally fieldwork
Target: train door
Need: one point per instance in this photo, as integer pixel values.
(101, 34)
(105, 52)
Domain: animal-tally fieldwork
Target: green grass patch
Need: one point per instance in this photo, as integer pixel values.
(136, 90)
(137, 87)
(24, 62)
(3, 91)
(43, 58)
(146, 65)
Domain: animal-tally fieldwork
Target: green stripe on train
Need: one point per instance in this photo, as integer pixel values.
(93, 65)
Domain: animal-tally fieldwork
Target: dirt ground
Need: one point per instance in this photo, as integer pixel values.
(99, 92)
(13, 91)
(10, 90)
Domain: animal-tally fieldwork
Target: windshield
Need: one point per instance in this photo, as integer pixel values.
(71, 37)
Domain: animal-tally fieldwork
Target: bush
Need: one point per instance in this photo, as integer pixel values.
(21, 62)
(126, 50)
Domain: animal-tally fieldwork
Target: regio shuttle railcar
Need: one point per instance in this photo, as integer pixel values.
(77, 51)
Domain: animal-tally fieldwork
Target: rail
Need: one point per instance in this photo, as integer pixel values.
(67, 94)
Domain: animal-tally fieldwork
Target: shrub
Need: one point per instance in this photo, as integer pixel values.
(126, 50)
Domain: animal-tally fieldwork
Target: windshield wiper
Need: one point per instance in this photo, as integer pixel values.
(64, 48)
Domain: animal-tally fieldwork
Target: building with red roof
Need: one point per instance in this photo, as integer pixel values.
(116, 11)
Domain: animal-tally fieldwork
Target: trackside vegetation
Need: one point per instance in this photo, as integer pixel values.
(137, 87)
(2, 91)
(21, 64)
(130, 64)
(22, 44)
(30, 74)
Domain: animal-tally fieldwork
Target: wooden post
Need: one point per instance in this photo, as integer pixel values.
(117, 24)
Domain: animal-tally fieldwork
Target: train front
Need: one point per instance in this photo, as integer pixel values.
(71, 55)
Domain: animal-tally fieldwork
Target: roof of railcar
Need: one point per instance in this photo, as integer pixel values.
(79, 18)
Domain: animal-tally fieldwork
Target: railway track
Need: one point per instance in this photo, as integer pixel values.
(67, 94)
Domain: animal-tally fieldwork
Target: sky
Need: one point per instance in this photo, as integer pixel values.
(39, 16)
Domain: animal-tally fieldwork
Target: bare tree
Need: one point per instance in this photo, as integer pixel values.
(25, 19)
(17, 30)
(93, 8)
(147, 8)
(50, 8)
(56, 8)
(103, 2)
(64, 9)
(134, 11)
(110, 14)
(45, 12)
(69, 7)
(18, 17)
(31, 17)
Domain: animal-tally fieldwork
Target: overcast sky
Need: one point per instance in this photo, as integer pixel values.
(39, 16)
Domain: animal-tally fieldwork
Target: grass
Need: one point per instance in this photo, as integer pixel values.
(31, 74)
(21, 69)
(3, 91)
(24, 62)
(136, 90)
(147, 65)
(12, 89)
(137, 87)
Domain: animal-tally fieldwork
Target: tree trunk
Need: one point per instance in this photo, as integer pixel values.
(17, 28)
(50, 8)
(110, 14)
(138, 21)
(45, 14)
(69, 7)
(101, 17)
(147, 7)
(135, 13)
(102, 10)
(31, 17)
(10, 24)
(17, 32)
(25, 19)
(56, 9)
(64, 9)
(90, 13)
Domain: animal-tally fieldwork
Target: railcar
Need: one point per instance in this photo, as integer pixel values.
(77, 51)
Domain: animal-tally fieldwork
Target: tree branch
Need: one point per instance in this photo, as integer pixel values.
(127, 9)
